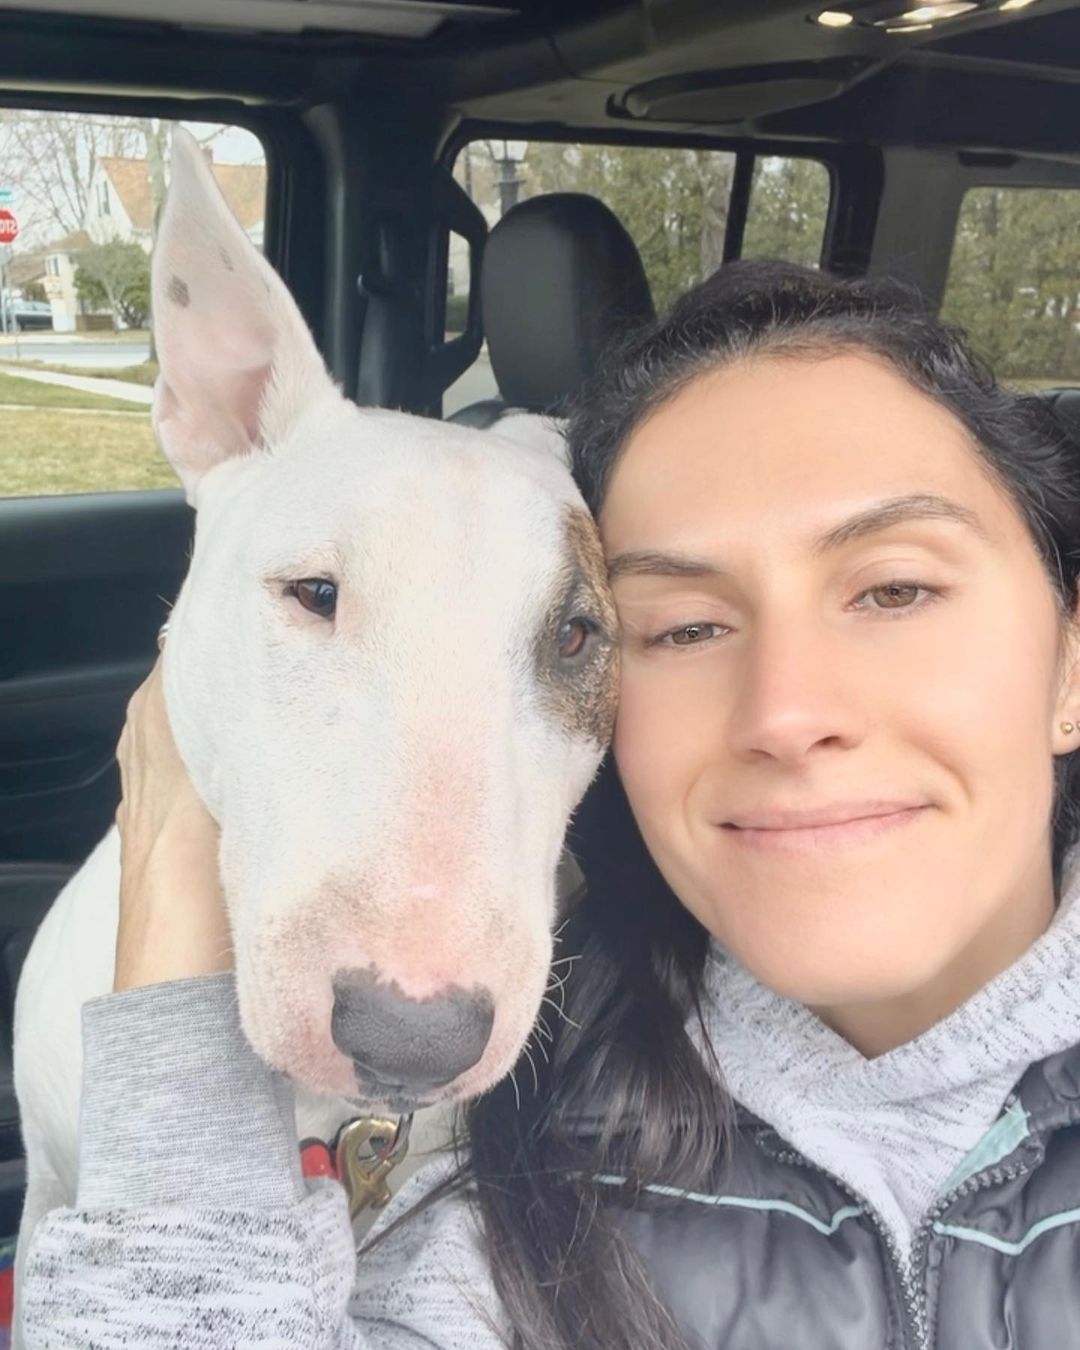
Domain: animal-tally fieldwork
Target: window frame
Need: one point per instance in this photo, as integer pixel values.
(835, 159)
(1067, 181)
(838, 160)
(266, 124)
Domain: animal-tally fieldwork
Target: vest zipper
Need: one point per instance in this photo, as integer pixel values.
(911, 1274)
(914, 1330)
(920, 1245)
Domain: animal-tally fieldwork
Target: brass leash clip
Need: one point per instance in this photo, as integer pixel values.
(366, 1151)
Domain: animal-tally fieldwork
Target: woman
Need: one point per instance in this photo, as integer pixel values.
(816, 1081)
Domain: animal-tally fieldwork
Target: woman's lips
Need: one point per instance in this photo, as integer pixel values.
(797, 832)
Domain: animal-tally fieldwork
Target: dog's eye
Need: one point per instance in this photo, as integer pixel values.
(576, 638)
(317, 595)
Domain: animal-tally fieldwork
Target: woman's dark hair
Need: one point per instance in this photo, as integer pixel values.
(613, 1085)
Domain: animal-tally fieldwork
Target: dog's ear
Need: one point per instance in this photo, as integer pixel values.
(535, 431)
(238, 363)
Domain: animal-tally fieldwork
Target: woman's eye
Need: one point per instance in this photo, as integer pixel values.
(575, 637)
(689, 635)
(317, 595)
(894, 595)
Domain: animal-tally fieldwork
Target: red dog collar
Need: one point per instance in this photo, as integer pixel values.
(363, 1154)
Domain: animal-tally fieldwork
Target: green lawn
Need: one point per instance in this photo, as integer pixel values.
(56, 440)
(44, 451)
(35, 394)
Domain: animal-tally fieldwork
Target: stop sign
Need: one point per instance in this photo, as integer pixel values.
(9, 227)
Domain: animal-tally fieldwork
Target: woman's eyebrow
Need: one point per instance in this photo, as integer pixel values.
(649, 563)
(897, 511)
(881, 516)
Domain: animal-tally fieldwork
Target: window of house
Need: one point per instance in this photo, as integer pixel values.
(674, 203)
(1013, 282)
(76, 366)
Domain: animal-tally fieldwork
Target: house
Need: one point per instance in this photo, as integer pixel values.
(25, 268)
(58, 279)
(120, 205)
(120, 201)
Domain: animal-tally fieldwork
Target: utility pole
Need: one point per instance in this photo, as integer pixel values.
(508, 156)
(10, 325)
(9, 232)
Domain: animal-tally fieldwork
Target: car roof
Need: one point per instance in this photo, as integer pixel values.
(994, 78)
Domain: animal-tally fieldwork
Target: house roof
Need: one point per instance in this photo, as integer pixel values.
(243, 186)
(71, 243)
(26, 267)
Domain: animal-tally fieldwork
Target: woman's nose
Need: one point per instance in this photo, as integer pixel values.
(797, 693)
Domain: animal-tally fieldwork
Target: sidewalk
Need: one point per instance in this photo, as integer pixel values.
(49, 337)
(132, 393)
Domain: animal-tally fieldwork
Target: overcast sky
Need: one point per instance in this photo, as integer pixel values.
(25, 171)
(233, 146)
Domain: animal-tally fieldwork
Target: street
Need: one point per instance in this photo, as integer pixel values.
(89, 352)
(70, 350)
(477, 383)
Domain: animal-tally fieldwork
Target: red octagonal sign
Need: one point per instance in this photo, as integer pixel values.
(9, 227)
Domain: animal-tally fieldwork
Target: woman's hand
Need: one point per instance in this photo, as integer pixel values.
(172, 910)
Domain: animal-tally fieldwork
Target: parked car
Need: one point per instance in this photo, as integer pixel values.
(24, 316)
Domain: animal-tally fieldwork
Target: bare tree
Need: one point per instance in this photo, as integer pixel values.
(156, 141)
(48, 157)
(715, 174)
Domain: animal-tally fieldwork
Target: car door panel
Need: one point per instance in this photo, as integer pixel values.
(85, 583)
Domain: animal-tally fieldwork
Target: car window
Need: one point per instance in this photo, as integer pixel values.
(674, 203)
(1013, 281)
(79, 198)
(788, 210)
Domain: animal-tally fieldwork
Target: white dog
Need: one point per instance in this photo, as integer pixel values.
(390, 672)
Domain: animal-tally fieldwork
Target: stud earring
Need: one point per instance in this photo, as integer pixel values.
(1067, 728)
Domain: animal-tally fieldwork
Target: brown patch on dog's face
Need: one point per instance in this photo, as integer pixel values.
(581, 690)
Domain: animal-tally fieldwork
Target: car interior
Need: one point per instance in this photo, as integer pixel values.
(366, 111)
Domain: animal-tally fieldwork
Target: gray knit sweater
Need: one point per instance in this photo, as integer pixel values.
(193, 1227)
(896, 1128)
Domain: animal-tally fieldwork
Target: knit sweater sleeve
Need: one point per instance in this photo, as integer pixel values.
(193, 1226)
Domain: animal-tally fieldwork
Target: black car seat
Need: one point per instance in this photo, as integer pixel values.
(561, 280)
(1064, 403)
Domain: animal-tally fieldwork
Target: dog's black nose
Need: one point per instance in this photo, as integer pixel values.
(406, 1044)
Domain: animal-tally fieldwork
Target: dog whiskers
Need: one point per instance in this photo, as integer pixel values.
(565, 1016)
(542, 1032)
(532, 1065)
(558, 982)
